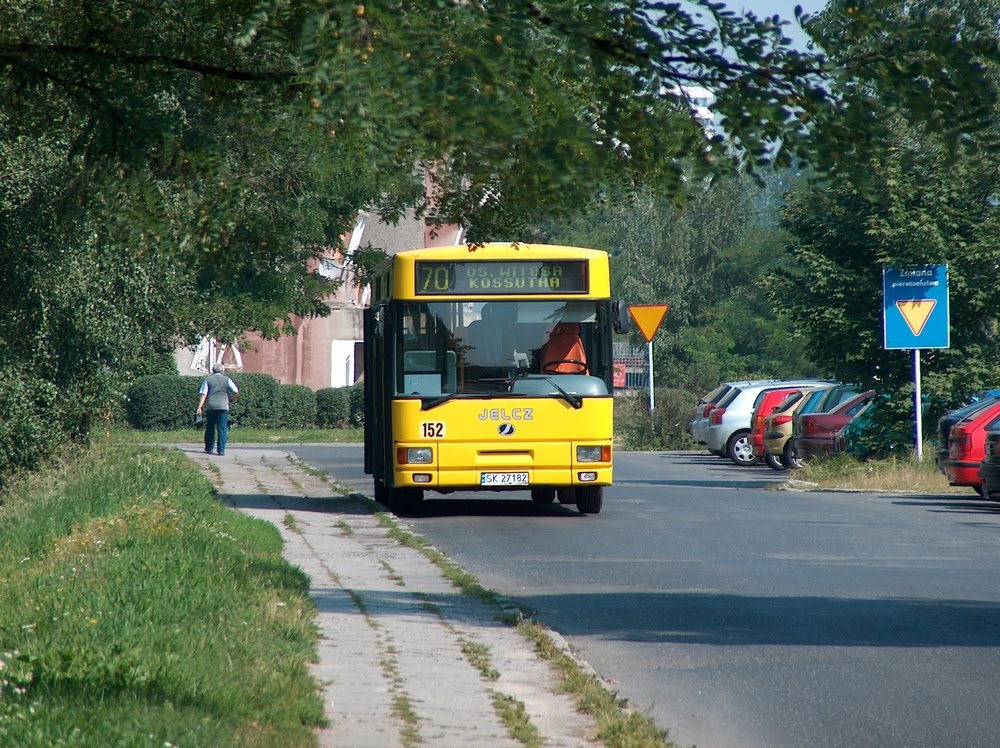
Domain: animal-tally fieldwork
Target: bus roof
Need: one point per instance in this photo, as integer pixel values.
(596, 275)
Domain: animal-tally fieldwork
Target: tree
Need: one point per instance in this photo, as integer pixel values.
(916, 201)
(197, 154)
(709, 258)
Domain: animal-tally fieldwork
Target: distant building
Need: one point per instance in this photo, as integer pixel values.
(700, 99)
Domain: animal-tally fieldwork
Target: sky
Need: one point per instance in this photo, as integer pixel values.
(783, 8)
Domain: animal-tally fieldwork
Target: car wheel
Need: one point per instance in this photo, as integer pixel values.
(790, 457)
(774, 462)
(739, 450)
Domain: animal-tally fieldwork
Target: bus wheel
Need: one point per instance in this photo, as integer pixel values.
(382, 495)
(406, 500)
(589, 499)
(566, 495)
(543, 495)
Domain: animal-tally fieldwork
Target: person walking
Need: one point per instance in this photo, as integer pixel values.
(216, 392)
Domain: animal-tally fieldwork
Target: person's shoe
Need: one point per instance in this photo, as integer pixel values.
(208, 451)
(220, 452)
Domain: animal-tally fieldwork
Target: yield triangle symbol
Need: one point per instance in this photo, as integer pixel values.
(916, 312)
(648, 317)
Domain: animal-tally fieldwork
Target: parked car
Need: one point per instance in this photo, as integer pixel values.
(967, 447)
(778, 444)
(818, 431)
(706, 403)
(818, 402)
(989, 468)
(699, 415)
(770, 403)
(729, 422)
(952, 417)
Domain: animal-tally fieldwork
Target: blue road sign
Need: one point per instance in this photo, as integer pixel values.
(915, 307)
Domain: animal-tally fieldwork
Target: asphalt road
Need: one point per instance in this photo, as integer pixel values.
(742, 617)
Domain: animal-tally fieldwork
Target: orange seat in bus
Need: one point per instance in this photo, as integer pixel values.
(563, 352)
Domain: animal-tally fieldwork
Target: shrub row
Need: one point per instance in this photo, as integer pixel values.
(665, 428)
(163, 402)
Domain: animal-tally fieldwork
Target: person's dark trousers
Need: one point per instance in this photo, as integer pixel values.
(216, 430)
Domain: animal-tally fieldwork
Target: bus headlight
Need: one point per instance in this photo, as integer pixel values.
(593, 454)
(415, 455)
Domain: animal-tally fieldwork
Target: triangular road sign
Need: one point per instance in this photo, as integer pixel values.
(916, 312)
(648, 317)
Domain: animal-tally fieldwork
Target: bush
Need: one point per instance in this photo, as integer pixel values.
(162, 402)
(296, 406)
(356, 399)
(29, 421)
(666, 429)
(257, 404)
(332, 407)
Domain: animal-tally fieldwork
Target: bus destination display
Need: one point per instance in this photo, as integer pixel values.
(460, 278)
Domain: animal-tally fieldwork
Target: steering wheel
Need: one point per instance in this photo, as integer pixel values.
(556, 362)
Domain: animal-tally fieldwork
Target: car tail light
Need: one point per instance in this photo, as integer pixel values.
(781, 420)
(716, 418)
(809, 426)
(706, 411)
(961, 443)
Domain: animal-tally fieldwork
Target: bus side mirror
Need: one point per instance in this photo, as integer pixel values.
(620, 316)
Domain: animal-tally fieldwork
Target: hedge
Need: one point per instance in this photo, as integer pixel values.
(162, 402)
(165, 402)
(296, 406)
(332, 407)
(356, 397)
(257, 404)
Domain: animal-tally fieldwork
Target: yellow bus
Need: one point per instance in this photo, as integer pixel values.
(491, 370)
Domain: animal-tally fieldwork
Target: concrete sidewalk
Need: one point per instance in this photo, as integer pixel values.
(399, 642)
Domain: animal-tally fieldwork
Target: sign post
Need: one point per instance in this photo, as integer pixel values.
(648, 318)
(915, 315)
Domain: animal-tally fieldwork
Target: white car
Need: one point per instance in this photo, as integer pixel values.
(729, 421)
(698, 426)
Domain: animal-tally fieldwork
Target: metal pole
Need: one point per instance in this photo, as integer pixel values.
(649, 353)
(918, 402)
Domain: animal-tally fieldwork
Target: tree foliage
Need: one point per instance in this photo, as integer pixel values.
(917, 201)
(170, 166)
(709, 257)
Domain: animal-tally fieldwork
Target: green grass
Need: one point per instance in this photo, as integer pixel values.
(617, 725)
(137, 610)
(122, 435)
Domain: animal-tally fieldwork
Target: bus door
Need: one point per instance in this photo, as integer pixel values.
(379, 363)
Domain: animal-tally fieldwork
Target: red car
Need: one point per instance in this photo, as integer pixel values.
(770, 401)
(818, 431)
(967, 448)
(989, 468)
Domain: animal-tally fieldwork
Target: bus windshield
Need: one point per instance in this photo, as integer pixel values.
(465, 347)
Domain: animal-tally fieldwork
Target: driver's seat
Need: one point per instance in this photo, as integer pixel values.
(563, 352)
